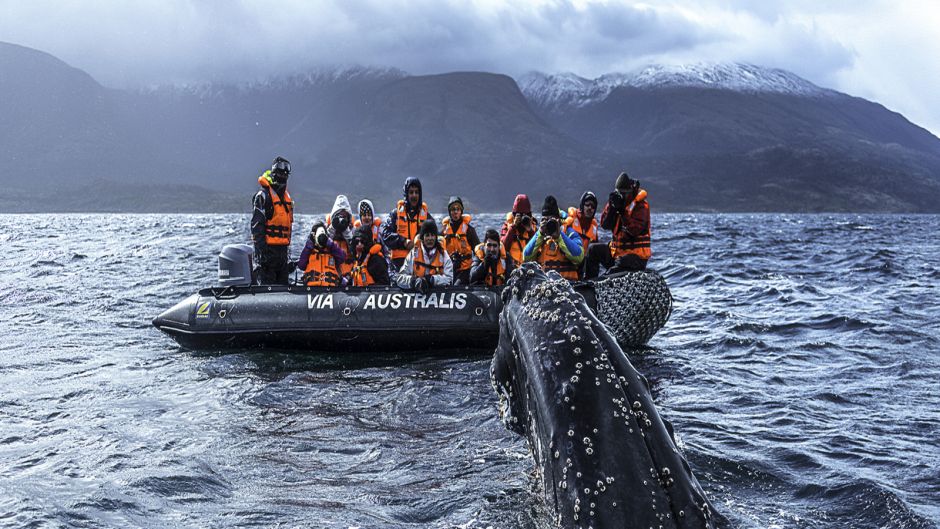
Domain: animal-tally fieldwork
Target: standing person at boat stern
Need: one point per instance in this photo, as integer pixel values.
(460, 238)
(627, 215)
(401, 227)
(271, 221)
(427, 264)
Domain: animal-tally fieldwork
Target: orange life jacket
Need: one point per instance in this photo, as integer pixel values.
(360, 271)
(424, 268)
(500, 277)
(345, 266)
(456, 243)
(588, 234)
(321, 269)
(623, 243)
(277, 230)
(552, 258)
(408, 227)
(517, 248)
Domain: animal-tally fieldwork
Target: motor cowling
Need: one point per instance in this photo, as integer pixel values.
(235, 265)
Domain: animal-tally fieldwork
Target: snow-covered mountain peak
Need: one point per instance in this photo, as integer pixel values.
(569, 89)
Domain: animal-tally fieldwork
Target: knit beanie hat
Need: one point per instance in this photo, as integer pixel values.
(522, 205)
(365, 207)
(624, 182)
(550, 207)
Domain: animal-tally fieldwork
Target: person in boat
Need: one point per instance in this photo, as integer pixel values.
(367, 218)
(554, 245)
(582, 221)
(339, 229)
(400, 229)
(369, 264)
(321, 258)
(518, 229)
(427, 264)
(460, 238)
(627, 215)
(490, 266)
(272, 219)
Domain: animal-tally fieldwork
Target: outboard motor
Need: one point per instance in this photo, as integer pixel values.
(235, 265)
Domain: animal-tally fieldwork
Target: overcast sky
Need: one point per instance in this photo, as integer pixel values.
(886, 51)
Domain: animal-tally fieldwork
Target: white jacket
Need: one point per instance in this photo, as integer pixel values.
(408, 269)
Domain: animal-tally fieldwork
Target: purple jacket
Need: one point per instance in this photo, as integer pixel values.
(338, 253)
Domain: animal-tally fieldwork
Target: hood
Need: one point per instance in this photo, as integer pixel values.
(366, 203)
(588, 195)
(521, 205)
(410, 181)
(341, 203)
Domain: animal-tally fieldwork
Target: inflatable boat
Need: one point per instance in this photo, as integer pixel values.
(384, 318)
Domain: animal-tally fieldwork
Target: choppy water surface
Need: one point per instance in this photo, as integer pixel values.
(800, 369)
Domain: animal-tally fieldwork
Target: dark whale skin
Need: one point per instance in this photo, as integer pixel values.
(604, 456)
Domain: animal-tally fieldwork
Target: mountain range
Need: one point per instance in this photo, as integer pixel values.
(726, 137)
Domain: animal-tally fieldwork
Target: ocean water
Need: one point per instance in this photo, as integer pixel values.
(801, 370)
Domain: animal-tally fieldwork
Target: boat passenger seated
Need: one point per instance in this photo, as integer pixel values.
(367, 218)
(460, 238)
(339, 229)
(554, 245)
(319, 259)
(581, 220)
(427, 264)
(490, 265)
(401, 227)
(369, 264)
(518, 229)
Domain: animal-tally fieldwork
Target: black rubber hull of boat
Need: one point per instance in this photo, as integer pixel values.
(384, 319)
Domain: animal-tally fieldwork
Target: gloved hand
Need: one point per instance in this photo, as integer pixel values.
(456, 258)
(490, 259)
(617, 200)
(421, 284)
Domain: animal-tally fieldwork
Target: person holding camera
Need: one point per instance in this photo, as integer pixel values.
(555, 246)
(272, 219)
(518, 229)
(490, 265)
(427, 264)
(460, 238)
(339, 230)
(627, 215)
(321, 259)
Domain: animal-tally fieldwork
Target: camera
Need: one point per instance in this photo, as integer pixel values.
(551, 226)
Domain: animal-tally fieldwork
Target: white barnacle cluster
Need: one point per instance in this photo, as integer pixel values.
(664, 477)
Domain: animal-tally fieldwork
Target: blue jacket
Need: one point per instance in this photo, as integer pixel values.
(571, 246)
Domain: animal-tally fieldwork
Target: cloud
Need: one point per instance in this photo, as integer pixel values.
(853, 46)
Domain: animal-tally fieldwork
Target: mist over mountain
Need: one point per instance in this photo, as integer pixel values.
(699, 137)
